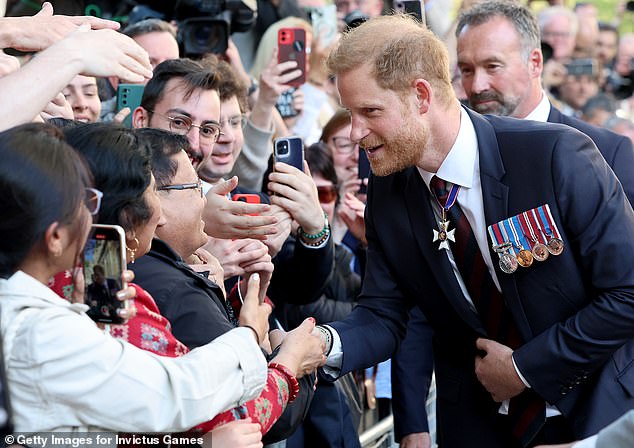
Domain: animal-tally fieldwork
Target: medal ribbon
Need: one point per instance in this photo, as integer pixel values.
(506, 232)
(534, 223)
(510, 230)
(519, 232)
(551, 222)
(527, 230)
(451, 199)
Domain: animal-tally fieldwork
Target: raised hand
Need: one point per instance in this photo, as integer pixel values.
(225, 218)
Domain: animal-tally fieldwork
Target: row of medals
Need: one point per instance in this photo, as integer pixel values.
(540, 252)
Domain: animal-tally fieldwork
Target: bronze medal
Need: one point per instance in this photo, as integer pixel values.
(524, 258)
(555, 246)
(508, 263)
(540, 252)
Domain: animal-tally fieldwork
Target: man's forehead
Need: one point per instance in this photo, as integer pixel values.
(177, 94)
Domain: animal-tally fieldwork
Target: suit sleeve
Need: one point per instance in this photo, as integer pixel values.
(623, 166)
(598, 225)
(371, 333)
(412, 368)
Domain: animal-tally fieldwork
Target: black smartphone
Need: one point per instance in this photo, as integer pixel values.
(363, 170)
(414, 8)
(284, 104)
(289, 150)
(104, 262)
(580, 67)
(129, 95)
(291, 44)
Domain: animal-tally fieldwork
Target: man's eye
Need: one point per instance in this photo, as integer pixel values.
(180, 122)
(207, 130)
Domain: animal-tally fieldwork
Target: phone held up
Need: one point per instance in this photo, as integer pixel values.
(363, 170)
(284, 104)
(129, 95)
(291, 44)
(104, 262)
(289, 150)
(414, 8)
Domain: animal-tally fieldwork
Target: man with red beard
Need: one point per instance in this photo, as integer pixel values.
(459, 200)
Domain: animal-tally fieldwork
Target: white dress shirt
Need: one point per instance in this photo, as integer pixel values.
(65, 374)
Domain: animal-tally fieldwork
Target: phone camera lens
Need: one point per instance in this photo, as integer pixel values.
(282, 148)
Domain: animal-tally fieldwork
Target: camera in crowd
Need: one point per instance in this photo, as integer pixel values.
(204, 26)
(621, 87)
(354, 18)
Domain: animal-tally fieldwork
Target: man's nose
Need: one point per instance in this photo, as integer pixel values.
(479, 82)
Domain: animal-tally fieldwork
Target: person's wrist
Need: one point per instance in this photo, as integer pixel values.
(327, 337)
(255, 332)
(293, 384)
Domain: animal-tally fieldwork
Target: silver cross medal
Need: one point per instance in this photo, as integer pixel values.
(443, 234)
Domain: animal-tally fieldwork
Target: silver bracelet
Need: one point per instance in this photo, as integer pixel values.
(327, 334)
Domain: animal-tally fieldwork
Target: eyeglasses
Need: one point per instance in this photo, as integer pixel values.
(181, 124)
(92, 200)
(344, 145)
(193, 186)
(235, 122)
(326, 193)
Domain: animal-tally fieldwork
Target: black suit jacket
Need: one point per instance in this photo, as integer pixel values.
(616, 149)
(574, 311)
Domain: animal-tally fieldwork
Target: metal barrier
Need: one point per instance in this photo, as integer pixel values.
(380, 435)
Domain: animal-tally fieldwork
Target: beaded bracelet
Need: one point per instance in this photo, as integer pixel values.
(293, 384)
(318, 242)
(309, 236)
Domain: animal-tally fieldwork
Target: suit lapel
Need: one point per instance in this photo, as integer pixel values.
(495, 196)
(421, 216)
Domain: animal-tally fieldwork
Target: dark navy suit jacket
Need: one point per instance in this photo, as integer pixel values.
(616, 149)
(409, 409)
(575, 311)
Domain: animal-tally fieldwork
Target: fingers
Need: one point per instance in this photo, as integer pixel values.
(276, 337)
(126, 294)
(46, 11)
(121, 115)
(225, 187)
(127, 276)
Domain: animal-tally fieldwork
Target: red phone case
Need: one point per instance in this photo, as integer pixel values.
(291, 44)
(249, 198)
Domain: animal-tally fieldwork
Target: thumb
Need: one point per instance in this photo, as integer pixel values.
(308, 324)
(224, 188)
(482, 344)
(276, 337)
(46, 11)
(253, 288)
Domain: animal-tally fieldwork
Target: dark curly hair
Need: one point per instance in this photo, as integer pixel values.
(120, 162)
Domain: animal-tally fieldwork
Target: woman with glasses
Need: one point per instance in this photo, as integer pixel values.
(63, 372)
(348, 224)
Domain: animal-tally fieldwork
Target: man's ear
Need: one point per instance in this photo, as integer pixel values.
(536, 62)
(140, 118)
(423, 93)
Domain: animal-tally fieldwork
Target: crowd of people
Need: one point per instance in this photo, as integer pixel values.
(489, 256)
